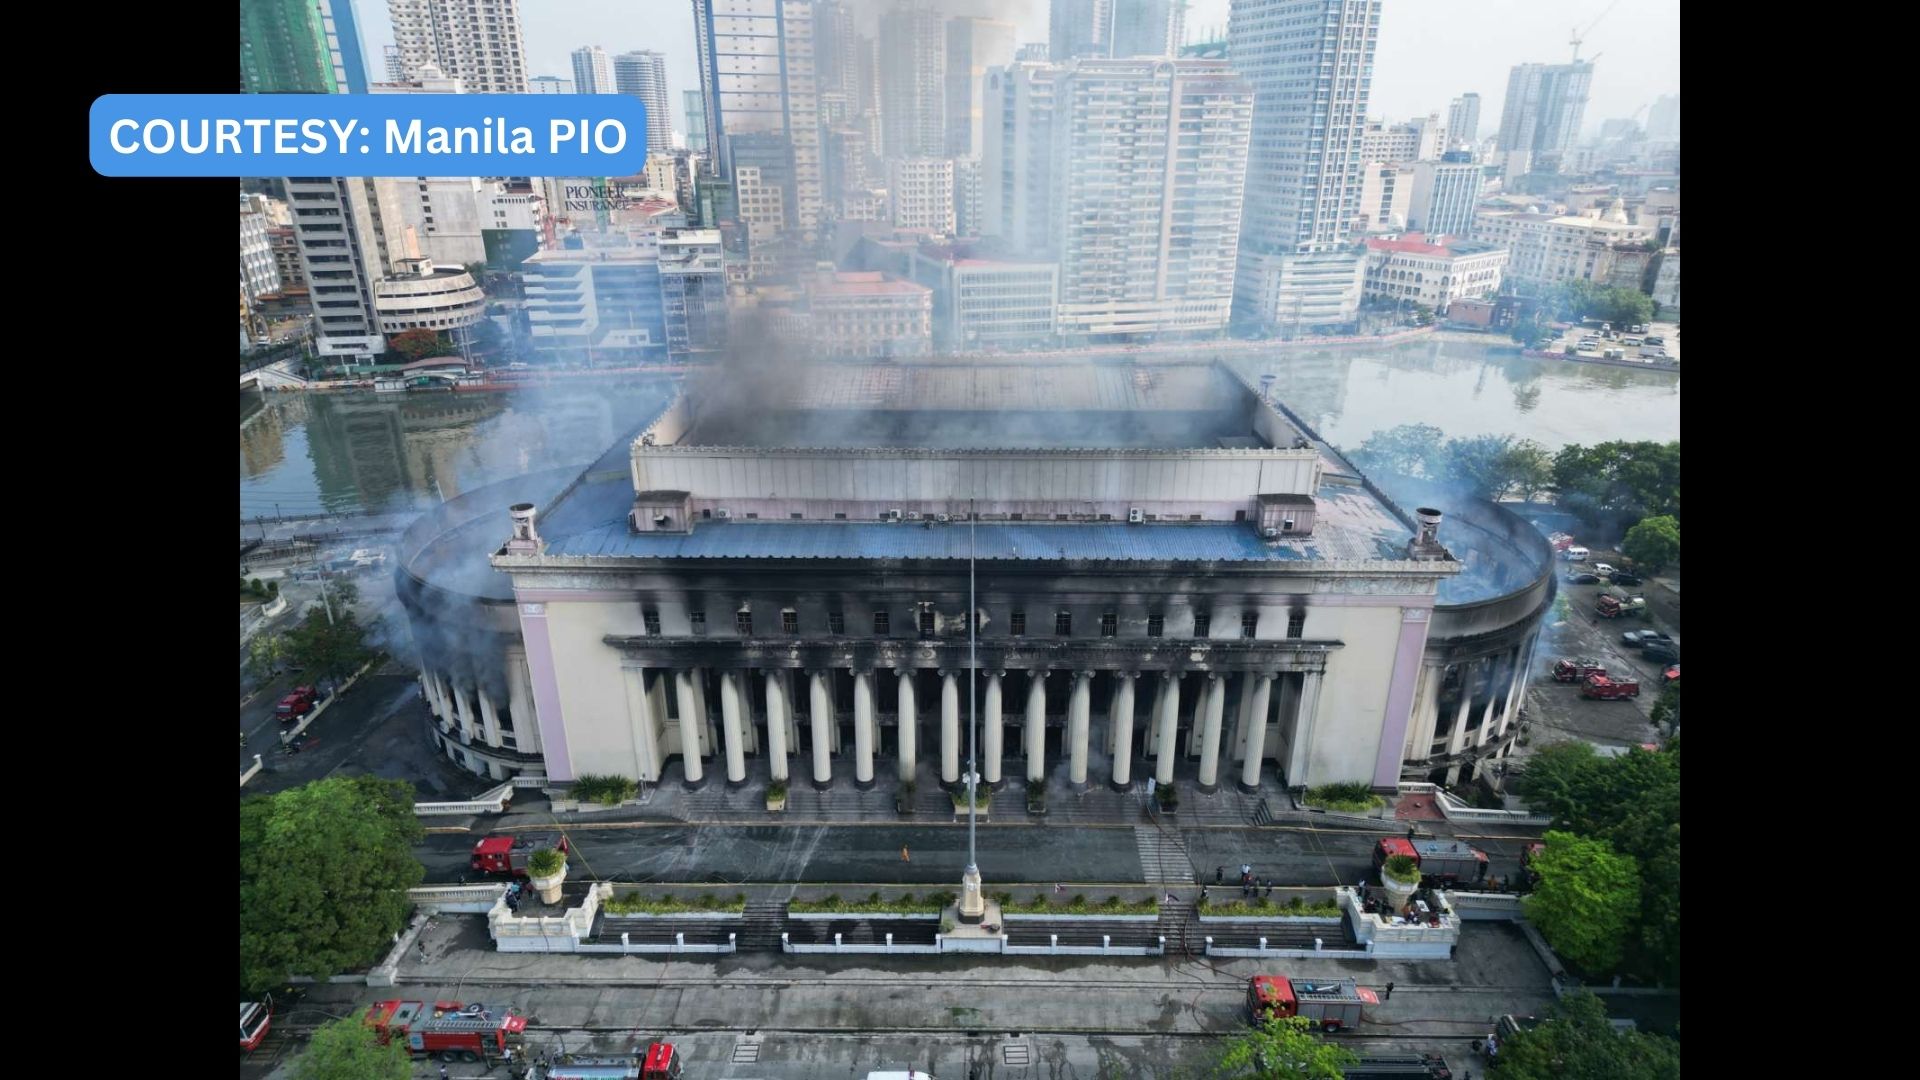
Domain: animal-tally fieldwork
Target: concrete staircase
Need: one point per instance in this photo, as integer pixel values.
(762, 924)
(1180, 928)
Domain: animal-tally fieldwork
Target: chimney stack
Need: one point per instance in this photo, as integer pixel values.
(525, 541)
(1266, 387)
(1426, 545)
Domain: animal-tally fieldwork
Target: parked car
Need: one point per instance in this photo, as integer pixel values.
(1626, 577)
(1662, 652)
(1603, 569)
(1582, 577)
(1653, 341)
(1672, 674)
(1643, 637)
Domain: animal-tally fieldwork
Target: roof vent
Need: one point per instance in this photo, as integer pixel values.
(1135, 515)
(893, 515)
(1271, 534)
(723, 513)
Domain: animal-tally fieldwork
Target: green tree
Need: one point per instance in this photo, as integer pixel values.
(331, 647)
(1628, 480)
(1666, 711)
(347, 1049)
(1529, 469)
(1530, 332)
(415, 344)
(324, 874)
(1557, 779)
(1654, 543)
(265, 654)
(1576, 1042)
(1586, 901)
(1415, 450)
(1284, 1048)
(1481, 463)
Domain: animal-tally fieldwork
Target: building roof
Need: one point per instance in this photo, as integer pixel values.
(863, 283)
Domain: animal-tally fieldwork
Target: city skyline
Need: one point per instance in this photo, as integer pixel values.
(1430, 52)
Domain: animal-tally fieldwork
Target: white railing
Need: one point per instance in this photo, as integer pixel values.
(473, 899)
(250, 771)
(557, 933)
(1454, 809)
(491, 802)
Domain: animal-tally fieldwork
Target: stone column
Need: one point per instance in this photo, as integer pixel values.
(1257, 705)
(1123, 731)
(909, 728)
(463, 705)
(489, 720)
(646, 728)
(863, 730)
(700, 710)
(426, 692)
(1306, 714)
(1426, 713)
(1216, 708)
(683, 692)
(1242, 708)
(776, 680)
(1457, 738)
(1516, 689)
(950, 727)
(730, 725)
(993, 735)
(526, 725)
(1079, 703)
(1037, 727)
(820, 700)
(1166, 744)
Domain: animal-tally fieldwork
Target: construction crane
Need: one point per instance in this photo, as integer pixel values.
(1581, 35)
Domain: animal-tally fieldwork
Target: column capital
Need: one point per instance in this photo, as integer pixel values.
(996, 674)
(1085, 674)
(1213, 676)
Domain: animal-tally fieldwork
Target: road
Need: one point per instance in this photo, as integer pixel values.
(1009, 854)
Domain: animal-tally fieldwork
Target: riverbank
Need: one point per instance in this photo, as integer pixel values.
(1637, 365)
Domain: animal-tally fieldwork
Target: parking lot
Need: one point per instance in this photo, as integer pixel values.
(1569, 342)
(1557, 711)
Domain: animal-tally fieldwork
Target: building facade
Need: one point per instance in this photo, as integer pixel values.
(1548, 249)
(1386, 196)
(983, 302)
(293, 47)
(342, 252)
(1300, 628)
(1077, 28)
(1311, 67)
(1463, 121)
(1544, 108)
(421, 296)
(550, 84)
(921, 190)
(593, 70)
(868, 314)
(1432, 271)
(913, 82)
(1017, 195)
(696, 121)
(693, 291)
(598, 303)
(973, 47)
(760, 92)
(475, 41)
(1444, 195)
(643, 74)
(259, 273)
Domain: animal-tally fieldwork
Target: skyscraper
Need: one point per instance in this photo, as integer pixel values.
(475, 41)
(592, 71)
(913, 82)
(973, 46)
(643, 74)
(1663, 120)
(757, 79)
(1016, 186)
(696, 114)
(350, 55)
(292, 47)
(550, 84)
(1444, 195)
(1311, 66)
(1545, 104)
(1148, 27)
(1463, 119)
(1079, 28)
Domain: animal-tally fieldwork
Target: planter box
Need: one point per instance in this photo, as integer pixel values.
(1329, 920)
(676, 915)
(929, 916)
(776, 805)
(1076, 918)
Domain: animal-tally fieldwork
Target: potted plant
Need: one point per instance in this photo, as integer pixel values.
(1169, 797)
(1037, 800)
(777, 796)
(903, 798)
(1400, 875)
(546, 869)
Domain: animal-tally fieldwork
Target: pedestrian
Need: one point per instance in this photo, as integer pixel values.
(1411, 833)
(1219, 874)
(1389, 994)
(905, 855)
(1269, 890)
(1203, 894)
(443, 1072)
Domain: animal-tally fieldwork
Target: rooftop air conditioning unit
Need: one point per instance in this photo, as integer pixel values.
(723, 514)
(1271, 534)
(1287, 524)
(913, 515)
(1135, 516)
(893, 515)
(942, 518)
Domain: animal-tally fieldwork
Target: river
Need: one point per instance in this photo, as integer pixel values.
(346, 453)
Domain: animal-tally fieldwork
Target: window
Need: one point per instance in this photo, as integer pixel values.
(789, 621)
(882, 624)
(926, 622)
(839, 517)
(1156, 625)
(1109, 624)
(698, 620)
(1017, 626)
(1297, 624)
(743, 623)
(794, 516)
(652, 619)
(1249, 623)
(1202, 624)
(836, 622)
(1063, 623)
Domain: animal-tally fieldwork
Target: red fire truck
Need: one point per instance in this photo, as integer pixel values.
(1331, 1003)
(661, 1062)
(450, 1030)
(255, 1018)
(1574, 670)
(507, 853)
(1448, 862)
(1602, 688)
(298, 703)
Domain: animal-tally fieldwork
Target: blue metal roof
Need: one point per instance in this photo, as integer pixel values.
(1193, 542)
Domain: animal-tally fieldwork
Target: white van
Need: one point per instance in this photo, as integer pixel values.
(1575, 554)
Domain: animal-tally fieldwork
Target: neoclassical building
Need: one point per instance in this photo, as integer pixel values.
(1171, 577)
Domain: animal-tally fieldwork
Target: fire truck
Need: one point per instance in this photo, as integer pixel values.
(1448, 862)
(450, 1030)
(1333, 1004)
(1431, 1066)
(1609, 606)
(660, 1062)
(298, 703)
(1602, 688)
(255, 1018)
(507, 853)
(1574, 670)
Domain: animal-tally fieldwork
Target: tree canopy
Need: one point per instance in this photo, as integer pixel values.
(1581, 299)
(1487, 466)
(324, 871)
(1629, 480)
(1284, 1048)
(1575, 1042)
(347, 1049)
(329, 647)
(1654, 543)
(1586, 900)
(416, 344)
